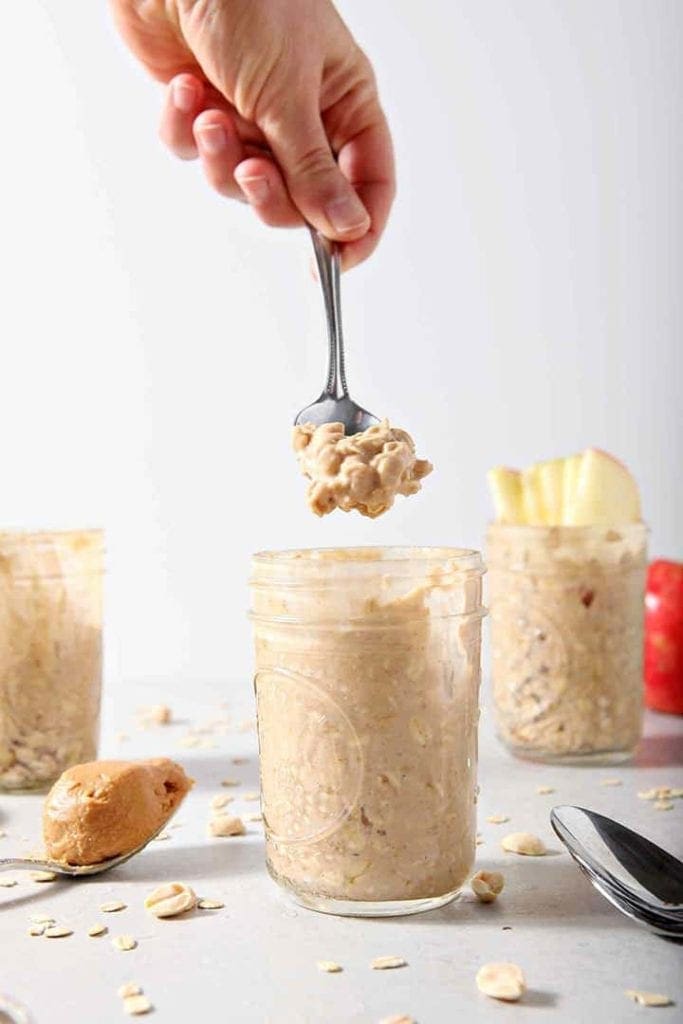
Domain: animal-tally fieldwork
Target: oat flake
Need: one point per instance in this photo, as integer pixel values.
(205, 904)
(8, 883)
(97, 929)
(112, 906)
(220, 801)
(611, 782)
(124, 942)
(648, 998)
(57, 932)
(399, 1018)
(230, 782)
(497, 819)
(43, 876)
(663, 805)
(386, 963)
(223, 825)
(37, 929)
(131, 988)
(544, 790)
(136, 1005)
(329, 966)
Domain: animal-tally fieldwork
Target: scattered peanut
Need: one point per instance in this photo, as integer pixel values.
(487, 885)
(524, 843)
(501, 981)
(170, 899)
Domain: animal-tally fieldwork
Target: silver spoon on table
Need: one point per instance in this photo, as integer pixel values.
(636, 876)
(76, 870)
(334, 404)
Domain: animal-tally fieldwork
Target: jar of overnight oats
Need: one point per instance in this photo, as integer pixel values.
(367, 681)
(567, 608)
(50, 654)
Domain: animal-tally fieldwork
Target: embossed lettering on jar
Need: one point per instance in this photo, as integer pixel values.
(367, 678)
(567, 639)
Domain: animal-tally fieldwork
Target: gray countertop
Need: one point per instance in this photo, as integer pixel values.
(255, 960)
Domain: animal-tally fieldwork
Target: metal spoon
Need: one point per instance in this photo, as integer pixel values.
(76, 870)
(636, 876)
(334, 404)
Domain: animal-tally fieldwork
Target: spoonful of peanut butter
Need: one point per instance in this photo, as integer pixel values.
(100, 814)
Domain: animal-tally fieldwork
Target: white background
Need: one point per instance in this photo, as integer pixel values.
(157, 341)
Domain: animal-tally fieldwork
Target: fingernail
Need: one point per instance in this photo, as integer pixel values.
(347, 214)
(183, 97)
(255, 189)
(212, 138)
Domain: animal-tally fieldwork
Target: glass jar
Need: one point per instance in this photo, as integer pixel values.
(567, 640)
(367, 681)
(50, 654)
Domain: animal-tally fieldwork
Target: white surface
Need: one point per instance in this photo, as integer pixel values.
(255, 961)
(157, 341)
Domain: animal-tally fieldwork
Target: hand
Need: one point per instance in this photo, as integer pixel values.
(279, 103)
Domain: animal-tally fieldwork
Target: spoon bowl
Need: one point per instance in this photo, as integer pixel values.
(334, 404)
(638, 877)
(77, 870)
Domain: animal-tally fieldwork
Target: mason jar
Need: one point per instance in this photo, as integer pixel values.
(50, 654)
(567, 610)
(367, 681)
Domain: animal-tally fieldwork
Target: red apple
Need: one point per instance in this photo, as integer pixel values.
(664, 637)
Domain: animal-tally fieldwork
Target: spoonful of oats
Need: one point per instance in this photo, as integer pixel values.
(100, 814)
(364, 472)
(352, 460)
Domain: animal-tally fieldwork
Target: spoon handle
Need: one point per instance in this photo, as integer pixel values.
(329, 269)
(21, 862)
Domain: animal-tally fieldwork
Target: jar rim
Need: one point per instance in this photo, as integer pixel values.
(612, 531)
(402, 560)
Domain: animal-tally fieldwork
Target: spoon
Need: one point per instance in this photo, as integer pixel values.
(334, 405)
(77, 870)
(636, 876)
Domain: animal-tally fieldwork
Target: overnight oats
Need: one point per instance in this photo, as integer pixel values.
(367, 680)
(50, 654)
(567, 639)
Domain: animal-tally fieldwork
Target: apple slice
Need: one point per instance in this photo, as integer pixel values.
(572, 465)
(605, 493)
(506, 490)
(531, 496)
(550, 477)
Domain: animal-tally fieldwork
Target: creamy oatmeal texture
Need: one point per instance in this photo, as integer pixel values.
(367, 676)
(364, 471)
(106, 808)
(567, 632)
(50, 655)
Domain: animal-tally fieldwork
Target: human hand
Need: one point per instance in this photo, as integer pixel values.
(279, 103)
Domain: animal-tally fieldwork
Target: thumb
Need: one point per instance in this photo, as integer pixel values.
(318, 188)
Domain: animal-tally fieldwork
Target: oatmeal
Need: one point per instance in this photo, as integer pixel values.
(364, 471)
(567, 638)
(106, 808)
(51, 654)
(367, 677)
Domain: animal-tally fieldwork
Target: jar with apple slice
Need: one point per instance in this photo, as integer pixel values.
(567, 639)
